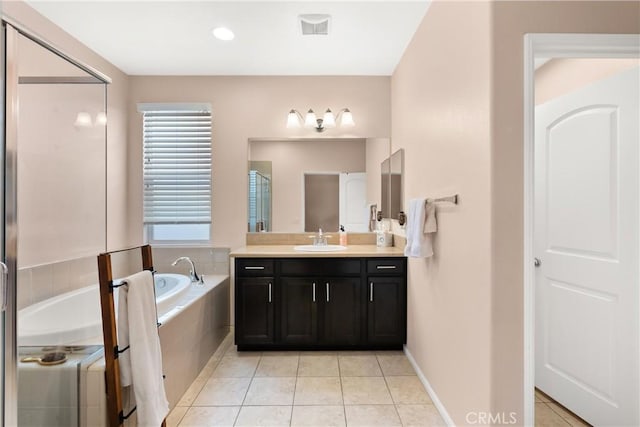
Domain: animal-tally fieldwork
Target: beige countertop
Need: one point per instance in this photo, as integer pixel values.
(287, 251)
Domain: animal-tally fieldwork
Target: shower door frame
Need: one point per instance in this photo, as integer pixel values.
(11, 31)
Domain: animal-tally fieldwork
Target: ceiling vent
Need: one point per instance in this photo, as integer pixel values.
(314, 24)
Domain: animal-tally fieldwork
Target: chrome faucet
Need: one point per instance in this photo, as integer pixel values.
(192, 273)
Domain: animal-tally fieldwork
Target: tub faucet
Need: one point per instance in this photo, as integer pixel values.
(192, 273)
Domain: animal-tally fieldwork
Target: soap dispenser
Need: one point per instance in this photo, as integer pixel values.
(343, 236)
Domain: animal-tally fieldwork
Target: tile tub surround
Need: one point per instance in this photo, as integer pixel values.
(188, 340)
(306, 388)
(41, 282)
(207, 260)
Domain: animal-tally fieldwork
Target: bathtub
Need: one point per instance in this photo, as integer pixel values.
(75, 318)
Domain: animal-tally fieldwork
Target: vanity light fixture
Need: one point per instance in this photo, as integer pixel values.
(326, 122)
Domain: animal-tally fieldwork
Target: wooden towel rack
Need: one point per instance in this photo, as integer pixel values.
(115, 415)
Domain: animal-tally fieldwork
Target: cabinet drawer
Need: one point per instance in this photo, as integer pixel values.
(386, 266)
(320, 267)
(254, 267)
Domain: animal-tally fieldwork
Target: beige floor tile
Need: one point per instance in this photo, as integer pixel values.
(314, 416)
(174, 417)
(280, 353)
(233, 352)
(395, 365)
(318, 391)
(192, 392)
(264, 416)
(545, 417)
(541, 397)
(359, 366)
(372, 415)
(420, 416)
(319, 353)
(389, 352)
(365, 391)
(206, 416)
(356, 353)
(567, 415)
(271, 391)
(236, 367)
(282, 366)
(223, 391)
(407, 390)
(318, 366)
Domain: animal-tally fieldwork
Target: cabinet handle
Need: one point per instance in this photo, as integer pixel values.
(327, 291)
(254, 268)
(386, 267)
(269, 291)
(314, 292)
(371, 291)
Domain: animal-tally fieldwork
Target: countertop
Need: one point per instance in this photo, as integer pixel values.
(287, 251)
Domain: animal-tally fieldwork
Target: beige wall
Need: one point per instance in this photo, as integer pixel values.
(466, 112)
(117, 213)
(440, 116)
(512, 20)
(251, 107)
(560, 76)
(290, 161)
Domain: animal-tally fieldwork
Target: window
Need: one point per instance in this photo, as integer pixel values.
(177, 172)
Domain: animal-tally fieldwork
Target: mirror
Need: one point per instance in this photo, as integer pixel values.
(300, 185)
(392, 177)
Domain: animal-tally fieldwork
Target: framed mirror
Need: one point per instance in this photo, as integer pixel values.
(302, 184)
(392, 181)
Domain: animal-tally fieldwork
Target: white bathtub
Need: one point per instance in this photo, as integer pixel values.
(74, 318)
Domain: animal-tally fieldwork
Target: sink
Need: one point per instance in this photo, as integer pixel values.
(319, 248)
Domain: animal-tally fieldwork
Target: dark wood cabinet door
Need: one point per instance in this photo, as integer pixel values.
(299, 310)
(341, 301)
(386, 306)
(254, 311)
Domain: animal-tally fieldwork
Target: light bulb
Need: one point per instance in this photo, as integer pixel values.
(101, 118)
(347, 118)
(310, 119)
(329, 120)
(292, 120)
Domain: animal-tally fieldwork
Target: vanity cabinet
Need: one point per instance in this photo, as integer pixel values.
(254, 297)
(307, 303)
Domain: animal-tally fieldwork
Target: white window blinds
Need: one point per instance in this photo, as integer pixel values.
(177, 166)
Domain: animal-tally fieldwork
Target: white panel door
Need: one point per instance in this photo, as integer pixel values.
(353, 202)
(586, 236)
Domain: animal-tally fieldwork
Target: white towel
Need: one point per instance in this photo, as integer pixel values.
(421, 224)
(141, 365)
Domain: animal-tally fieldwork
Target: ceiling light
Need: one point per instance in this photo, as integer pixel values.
(328, 121)
(223, 33)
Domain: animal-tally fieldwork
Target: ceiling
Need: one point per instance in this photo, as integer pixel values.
(174, 37)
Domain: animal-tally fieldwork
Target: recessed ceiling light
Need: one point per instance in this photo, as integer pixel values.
(223, 33)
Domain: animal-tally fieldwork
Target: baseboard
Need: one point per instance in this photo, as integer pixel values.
(432, 394)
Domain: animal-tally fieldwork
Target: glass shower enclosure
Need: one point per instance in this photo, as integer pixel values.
(54, 226)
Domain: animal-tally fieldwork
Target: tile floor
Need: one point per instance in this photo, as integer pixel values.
(305, 389)
(550, 414)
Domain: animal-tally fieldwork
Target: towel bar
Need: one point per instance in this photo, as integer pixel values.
(451, 199)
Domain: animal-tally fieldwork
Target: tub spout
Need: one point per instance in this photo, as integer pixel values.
(192, 273)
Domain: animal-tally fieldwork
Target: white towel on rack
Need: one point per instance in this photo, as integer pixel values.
(141, 365)
(421, 224)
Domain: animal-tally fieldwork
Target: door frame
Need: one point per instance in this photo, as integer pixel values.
(557, 46)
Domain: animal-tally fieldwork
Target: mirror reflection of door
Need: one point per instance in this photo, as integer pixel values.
(321, 202)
